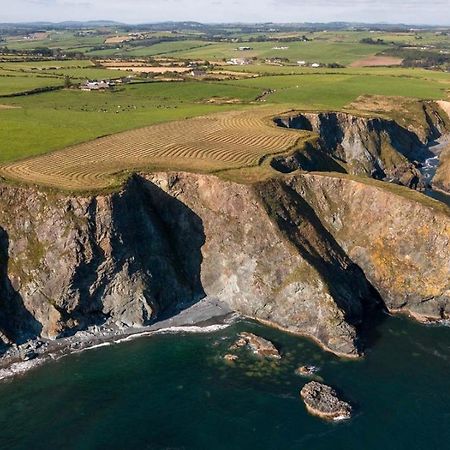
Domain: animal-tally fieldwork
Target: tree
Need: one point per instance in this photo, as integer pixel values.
(67, 82)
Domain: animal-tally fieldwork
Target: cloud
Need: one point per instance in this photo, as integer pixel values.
(139, 11)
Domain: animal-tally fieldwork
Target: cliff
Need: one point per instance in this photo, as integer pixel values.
(399, 238)
(310, 253)
(374, 146)
(71, 262)
(441, 180)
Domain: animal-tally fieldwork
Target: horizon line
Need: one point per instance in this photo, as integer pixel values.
(115, 22)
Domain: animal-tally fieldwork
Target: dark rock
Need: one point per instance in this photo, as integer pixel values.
(29, 355)
(258, 345)
(322, 401)
(306, 371)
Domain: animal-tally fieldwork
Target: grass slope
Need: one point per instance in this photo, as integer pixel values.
(55, 120)
(214, 142)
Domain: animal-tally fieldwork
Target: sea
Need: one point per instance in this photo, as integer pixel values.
(175, 391)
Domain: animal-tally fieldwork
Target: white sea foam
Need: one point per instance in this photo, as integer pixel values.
(132, 337)
(20, 368)
(173, 330)
(103, 344)
(24, 366)
(192, 329)
(340, 418)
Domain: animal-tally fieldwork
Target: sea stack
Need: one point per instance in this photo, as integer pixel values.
(323, 401)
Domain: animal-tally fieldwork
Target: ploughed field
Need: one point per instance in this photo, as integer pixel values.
(227, 140)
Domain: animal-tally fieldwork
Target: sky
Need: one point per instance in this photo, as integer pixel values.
(434, 12)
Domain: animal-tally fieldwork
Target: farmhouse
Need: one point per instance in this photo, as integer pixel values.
(198, 73)
(239, 62)
(276, 61)
(97, 85)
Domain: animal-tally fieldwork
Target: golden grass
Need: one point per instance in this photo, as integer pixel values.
(445, 105)
(150, 69)
(9, 107)
(117, 39)
(218, 142)
(377, 61)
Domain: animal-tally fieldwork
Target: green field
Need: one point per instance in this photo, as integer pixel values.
(164, 48)
(337, 90)
(87, 73)
(52, 120)
(66, 40)
(79, 69)
(55, 120)
(45, 65)
(316, 51)
(17, 77)
(11, 83)
(267, 69)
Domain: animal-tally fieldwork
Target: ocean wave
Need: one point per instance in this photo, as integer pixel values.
(192, 329)
(173, 330)
(22, 367)
(103, 344)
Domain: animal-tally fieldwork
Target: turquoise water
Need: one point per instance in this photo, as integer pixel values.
(176, 392)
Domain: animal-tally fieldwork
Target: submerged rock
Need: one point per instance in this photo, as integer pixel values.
(230, 357)
(258, 345)
(306, 371)
(322, 401)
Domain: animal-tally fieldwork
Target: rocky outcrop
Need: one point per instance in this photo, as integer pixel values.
(270, 258)
(306, 371)
(256, 344)
(323, 401)
(326, 236)
(399, 238)
(375, 147)
(441, 180)
(71, 262)
(310, 254)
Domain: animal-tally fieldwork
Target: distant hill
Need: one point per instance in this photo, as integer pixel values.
(267, 26)
(66, 25)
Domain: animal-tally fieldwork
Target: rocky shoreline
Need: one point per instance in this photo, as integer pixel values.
(205, 316)
(311, 254)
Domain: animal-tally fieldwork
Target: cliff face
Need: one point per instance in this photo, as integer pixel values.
(400, 240)
(374, 147)
(307, 253)
(441, 181)
(74, 262)
(268, 256)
